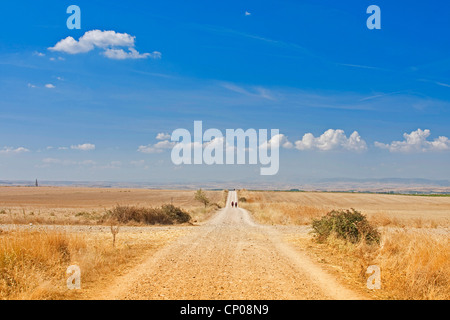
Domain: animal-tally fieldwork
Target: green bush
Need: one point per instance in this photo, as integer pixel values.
(166, 214)
(349, 225)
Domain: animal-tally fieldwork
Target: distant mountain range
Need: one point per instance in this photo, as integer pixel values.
(387, 185)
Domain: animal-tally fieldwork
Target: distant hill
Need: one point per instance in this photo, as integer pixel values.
(385, 185)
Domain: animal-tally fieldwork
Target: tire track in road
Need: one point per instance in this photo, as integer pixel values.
(228, 257)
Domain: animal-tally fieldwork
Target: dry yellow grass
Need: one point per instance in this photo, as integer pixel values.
(33, 264)
(382, 209)
(414, 265)
(283, 213)
(414, 255)
(76, 205)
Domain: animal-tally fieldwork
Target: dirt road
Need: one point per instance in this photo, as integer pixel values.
(229, 257)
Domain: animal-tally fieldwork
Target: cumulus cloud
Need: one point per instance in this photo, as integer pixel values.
(163, 136)
(120, 54)
(110, 41)
(156, 148)
(416, 141)
(329, 140)
(332, 140)
(279, 140)
(49, 86)
(165, 144)
(92, 39)
(10, 150)
(160, 146)
(83, 147)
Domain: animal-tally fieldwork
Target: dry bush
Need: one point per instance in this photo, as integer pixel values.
(350, 225)
(166, 214)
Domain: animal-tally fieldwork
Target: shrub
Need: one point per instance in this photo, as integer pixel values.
(242, 199)
(175, 213)
(200, 195)
(349, 225)
(166, 214)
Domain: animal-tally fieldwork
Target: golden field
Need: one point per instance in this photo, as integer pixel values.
(44, 230)
(80, 205)
(414, 254)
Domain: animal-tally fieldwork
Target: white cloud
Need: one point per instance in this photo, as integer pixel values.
(39, 54)
(10, 150)
(92, 39)
(331, 140)
(160, 146)
(120, 54)
(279, 140)
(30, 85)
(416, 141)
(83, 147)
(163, 136)
(110, 41)
(50, 86)
(156, 148)
(247, 13)
(165, 144)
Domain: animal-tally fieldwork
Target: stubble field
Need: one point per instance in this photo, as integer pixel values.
(44, 230)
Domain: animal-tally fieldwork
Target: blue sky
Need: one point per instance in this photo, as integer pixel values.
(303, 67)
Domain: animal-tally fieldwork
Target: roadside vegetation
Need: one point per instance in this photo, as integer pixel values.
(88, 206)
(349, 225)
(210, 204)
(164, 215)
(284, 213)
(33, 264)
(413, 254)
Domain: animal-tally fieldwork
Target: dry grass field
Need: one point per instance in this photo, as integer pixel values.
(33, 261)
(414, 254)
(44, 230)
(76, 205)
(34, 256)
(393, 210)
